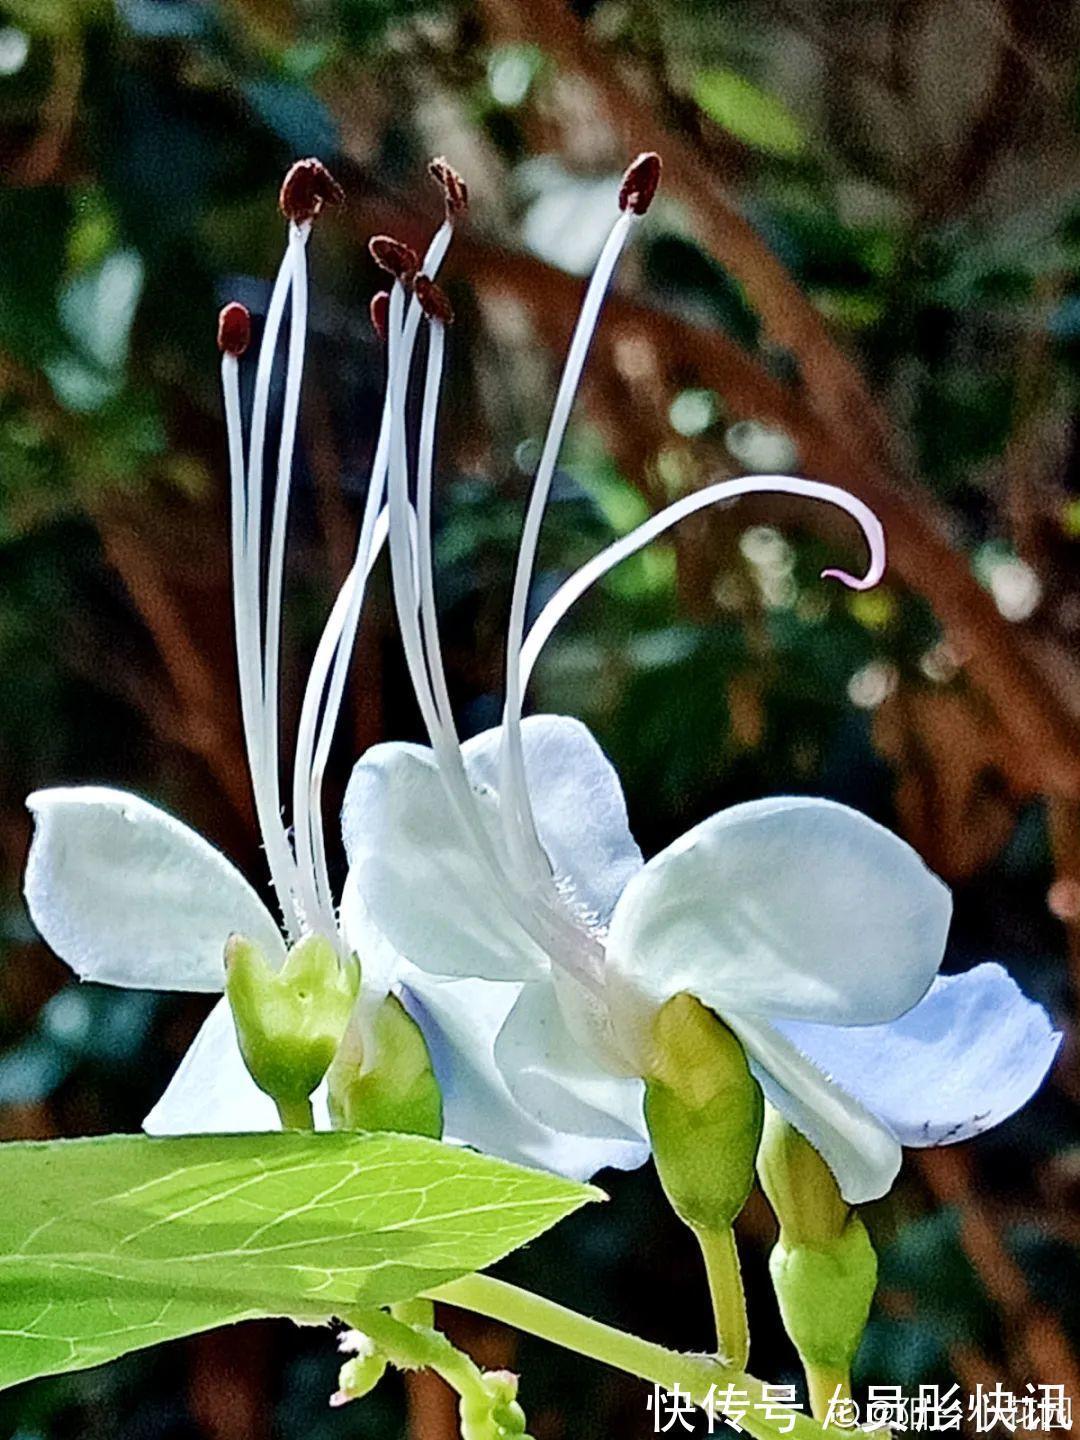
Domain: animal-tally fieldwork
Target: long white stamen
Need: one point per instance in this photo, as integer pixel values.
(319, 716)
(723, 491)
(549, 926)
(298, 321)
(519, 823)
(247, 592)
(425, 461)
(404, 570)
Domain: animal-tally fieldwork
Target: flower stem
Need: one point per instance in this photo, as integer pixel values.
(825, 1383)
(695, 1374)
(295, 1114)
(721, 1258)
(483, 1408)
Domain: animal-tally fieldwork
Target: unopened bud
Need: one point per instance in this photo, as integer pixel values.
(234, 329)
(704, 1111)
(823, 1266)
(307, 187)
(640, 182)
(455, 191)
(380, 313)
(433, 300)
(394, 257)
(382, 1077)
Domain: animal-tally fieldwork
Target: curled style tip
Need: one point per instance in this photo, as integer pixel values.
(455, 191)
(433, 300)
(395, 258)
(306, 189)
(234, 329)
(380, 313)
(860, 582)
(640, 182)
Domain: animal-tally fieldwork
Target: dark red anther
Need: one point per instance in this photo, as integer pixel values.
(397, 259)
(640, 182)
(234, 329)
(455, 191)
(433, 300)
(380, 314)
(306, 189)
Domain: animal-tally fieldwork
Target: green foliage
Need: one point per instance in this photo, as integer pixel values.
(748, 112)
(113, 1244)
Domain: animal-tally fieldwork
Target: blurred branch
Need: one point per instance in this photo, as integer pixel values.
(1035, 1340)
(199, 723)
(41, 161)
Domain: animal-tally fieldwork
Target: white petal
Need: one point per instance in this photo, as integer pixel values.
(969, 1055)
(555, 1078)
(578, 805)
(862, 1155)
(379, 961)
(460, 1020)
(792, 907)
(128, 895)
(212, 1092)
(416, 871)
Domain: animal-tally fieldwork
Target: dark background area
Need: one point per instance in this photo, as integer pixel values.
(864, 266)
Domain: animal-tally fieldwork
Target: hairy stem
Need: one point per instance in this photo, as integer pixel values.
(696, 1374)
(726, 1292)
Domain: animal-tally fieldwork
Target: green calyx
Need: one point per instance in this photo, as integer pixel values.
(386, 1082)
(704, 1111)
(289, 1022)
(823, 1267)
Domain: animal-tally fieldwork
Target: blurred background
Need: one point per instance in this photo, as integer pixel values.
(864, 266)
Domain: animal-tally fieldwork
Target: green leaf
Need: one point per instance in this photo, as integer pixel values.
(112, 1244)
(751, 115)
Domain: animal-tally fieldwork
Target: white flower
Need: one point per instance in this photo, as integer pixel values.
(128, 895)
(798, 921)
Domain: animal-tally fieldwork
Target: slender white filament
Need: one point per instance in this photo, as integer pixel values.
(322, 706)
(518, 820)
(572, 589)
(310, 838)
(425, 569)
(275, 568)
(247, 592)
(407, 582)
(549, 926)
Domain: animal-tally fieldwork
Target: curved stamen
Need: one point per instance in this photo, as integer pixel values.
(247, 592)
(325, 687)
(425, 668)
(519, 823)
(575, 587)
(536, 908)
(275, 574)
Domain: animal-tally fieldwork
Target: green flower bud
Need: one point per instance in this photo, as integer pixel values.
(386, 1083)
(704, 1112)
(823, 1267)
(825, 1295)
(289, 1022)
(494, 1413)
